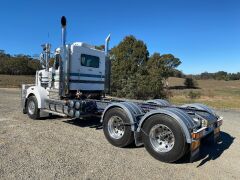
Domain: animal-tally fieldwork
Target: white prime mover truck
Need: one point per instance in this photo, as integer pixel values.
(75, 87)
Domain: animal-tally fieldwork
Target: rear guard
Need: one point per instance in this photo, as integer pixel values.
(212, 138)
(194, 154)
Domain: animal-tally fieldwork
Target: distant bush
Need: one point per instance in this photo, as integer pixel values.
(194, 94)
(18, 64)
(220, 75)
(190, 83)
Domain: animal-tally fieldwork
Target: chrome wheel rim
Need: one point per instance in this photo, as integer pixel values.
(115, 127)
(161, 138)
(31, 107)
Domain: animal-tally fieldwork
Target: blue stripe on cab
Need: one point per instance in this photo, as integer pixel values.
(87, 75)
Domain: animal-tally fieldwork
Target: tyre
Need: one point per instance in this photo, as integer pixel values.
(115, 132)
(32, 108)
(163, 138)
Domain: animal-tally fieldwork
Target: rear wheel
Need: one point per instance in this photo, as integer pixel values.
(163, 138)
(116, 127)
(32, 108)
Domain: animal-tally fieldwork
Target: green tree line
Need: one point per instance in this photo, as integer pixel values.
(220, 75)
(18, 64)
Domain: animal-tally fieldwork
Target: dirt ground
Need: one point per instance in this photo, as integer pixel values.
(60, 148)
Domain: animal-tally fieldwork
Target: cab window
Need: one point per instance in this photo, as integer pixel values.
(90, 61)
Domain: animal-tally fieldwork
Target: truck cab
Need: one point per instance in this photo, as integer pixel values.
(85, 71)
(79, 71)
(86, 68)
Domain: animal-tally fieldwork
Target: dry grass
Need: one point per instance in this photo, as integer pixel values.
(13, 81)
(215, 93)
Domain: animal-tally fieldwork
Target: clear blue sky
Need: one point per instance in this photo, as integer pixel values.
(204, 34)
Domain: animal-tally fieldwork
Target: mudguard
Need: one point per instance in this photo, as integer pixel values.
(132, 110)
(200, 107)
(160, 102)
(181, 117)
(40, 93)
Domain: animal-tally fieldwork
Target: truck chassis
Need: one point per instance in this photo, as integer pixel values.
(168, 132)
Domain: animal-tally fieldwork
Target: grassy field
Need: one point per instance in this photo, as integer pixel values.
(8, 81)
(216, 93)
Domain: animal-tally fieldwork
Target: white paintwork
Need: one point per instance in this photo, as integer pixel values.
(82, 44)
(56, 79)
(44, 78)
(77, 49)
(40, 93)
(54, 73)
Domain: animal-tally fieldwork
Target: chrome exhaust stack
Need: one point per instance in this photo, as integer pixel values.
(64, 65)
(107, 44)
(64, 24)
(107, 67)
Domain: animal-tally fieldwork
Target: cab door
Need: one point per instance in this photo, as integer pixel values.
(91, 72)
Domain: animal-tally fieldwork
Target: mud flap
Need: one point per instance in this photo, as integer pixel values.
(217, 137)
(138, 139)
(213, 138)
(195, 150)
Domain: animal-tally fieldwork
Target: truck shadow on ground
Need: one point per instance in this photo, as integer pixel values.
(208, 151)
(86, 122)
(214, 151)
(52, 117)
